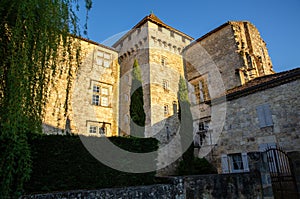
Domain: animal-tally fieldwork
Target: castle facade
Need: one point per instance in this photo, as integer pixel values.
(240, 106)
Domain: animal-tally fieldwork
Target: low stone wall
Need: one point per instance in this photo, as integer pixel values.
(229, 186)
(141, 192)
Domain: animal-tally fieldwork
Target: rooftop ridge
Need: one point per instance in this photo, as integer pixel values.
(153, 18)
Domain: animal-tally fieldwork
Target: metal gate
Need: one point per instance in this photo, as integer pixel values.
(283, 180)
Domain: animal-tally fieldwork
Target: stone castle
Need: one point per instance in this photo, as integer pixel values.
(239, 104)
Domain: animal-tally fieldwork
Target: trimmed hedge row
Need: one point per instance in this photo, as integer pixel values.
(62, 163)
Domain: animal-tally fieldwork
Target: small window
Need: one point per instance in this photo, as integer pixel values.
(165, 84)
(171, 33)
(129, 37)
(104, 101)
(235, 163)
(100, 54)
(106, 64)
(98, 128)
(126, 98)
(183, 39)
(159, 28)
(201, 91)
(96, 89)
(163, 61)
(104, 91)
(99, 60)
(96, 100)
(93, 129)
(166, 110)
(102, 130)
(106, 56)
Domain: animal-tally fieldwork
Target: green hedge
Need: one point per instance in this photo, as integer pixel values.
(62, 163)
(191, 165)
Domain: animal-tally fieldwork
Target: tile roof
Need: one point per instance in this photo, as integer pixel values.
(263, 83)
(153, 18)
(95, 43)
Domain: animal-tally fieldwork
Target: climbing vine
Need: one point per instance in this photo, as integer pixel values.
(35, 45)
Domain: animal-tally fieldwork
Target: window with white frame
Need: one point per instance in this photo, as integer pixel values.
(264, 115)
(93, 129)
(103, 59)
(101, 94)
(166, 110)
(235, 163)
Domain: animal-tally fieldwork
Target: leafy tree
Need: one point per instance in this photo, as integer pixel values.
(137, 113)
(186, 123)
(35, 45)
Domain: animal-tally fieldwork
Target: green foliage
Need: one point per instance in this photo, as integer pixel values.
(34, 46)
(137, 113)
(183, 94)
(186, 122)
(62, 163)
(199, 166)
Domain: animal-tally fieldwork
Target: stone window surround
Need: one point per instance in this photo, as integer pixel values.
(101, 94)
(103, 58)
(200, 87)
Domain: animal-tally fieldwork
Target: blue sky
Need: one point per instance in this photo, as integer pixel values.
(278, 21)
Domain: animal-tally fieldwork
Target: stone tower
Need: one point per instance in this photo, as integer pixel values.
(158, 48)
(224, 59)
(236, 48)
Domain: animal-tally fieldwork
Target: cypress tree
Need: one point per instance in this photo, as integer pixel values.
(35, 45)
(186, 123)
(137, 113)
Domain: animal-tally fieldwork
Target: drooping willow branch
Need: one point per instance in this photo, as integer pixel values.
(35, 46)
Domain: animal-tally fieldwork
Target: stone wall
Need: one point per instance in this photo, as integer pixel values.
(79, 93)
(149, 43)
(242, 131)
(187, 187)
(236, 49)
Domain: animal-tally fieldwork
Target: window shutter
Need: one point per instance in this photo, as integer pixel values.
(261, 117)
(224, 162)
(268, 115)
(245, 162)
